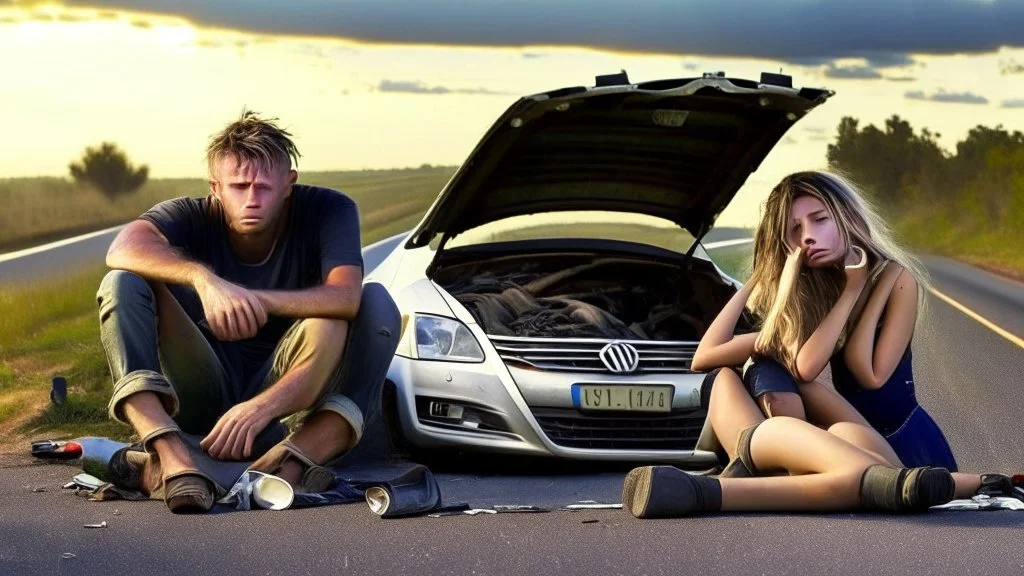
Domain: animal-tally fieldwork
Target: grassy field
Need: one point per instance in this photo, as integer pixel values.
(37, 210)
(963, 230)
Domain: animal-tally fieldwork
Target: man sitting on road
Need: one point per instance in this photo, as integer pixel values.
(224, 314)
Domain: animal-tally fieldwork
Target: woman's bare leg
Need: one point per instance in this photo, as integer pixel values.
(828, 409)
(868, 439)
(966, 484)
(731, 409)
(826, 473)
(782, 404)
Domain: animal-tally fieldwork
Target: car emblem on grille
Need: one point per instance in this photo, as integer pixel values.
(619, 357)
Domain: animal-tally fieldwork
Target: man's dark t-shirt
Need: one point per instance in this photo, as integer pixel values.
(322, 232)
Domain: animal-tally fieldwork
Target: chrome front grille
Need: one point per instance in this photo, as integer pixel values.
(583, 354)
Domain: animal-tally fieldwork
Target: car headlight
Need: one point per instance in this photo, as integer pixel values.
(448, 339)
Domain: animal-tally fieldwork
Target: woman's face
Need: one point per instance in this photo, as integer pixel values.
(812, 226)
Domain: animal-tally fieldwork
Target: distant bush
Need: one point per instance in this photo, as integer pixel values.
(108, 170)
(967, 203)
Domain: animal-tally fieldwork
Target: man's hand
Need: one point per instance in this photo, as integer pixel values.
(233, 312)
(234, 433)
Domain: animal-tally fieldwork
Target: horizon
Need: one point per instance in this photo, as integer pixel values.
(386, 101)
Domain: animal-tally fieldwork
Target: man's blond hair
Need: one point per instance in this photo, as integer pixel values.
(253, 139)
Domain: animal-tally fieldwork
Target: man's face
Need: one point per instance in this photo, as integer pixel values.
(252, 196)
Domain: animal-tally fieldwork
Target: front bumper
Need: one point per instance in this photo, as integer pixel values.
(492, 407)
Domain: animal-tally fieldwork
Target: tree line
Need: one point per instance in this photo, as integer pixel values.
(903, 169)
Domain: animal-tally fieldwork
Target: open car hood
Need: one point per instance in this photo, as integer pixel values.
(675, 149)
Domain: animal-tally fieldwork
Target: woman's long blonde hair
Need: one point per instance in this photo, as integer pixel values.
(791, 308)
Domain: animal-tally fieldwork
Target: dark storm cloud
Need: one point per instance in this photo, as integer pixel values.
(852, 72)
(818, 31)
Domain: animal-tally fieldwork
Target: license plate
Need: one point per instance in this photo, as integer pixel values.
(624, 398)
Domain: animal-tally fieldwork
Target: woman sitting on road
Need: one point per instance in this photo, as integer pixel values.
(832, 288)
(807, 311)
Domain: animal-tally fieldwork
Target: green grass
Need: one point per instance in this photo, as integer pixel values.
(37, 210)
(736, 261)
(963, 231)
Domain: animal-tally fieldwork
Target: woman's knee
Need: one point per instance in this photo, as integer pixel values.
(864, 438)
(718, 382)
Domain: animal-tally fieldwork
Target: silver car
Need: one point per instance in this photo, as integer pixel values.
(553, 295)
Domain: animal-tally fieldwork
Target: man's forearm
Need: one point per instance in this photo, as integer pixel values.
(152, 258)
(340, 302)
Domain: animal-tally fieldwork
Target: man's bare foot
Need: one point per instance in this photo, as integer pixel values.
(291, 472)
(171, 458)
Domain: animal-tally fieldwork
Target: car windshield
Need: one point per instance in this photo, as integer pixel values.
(625, 226)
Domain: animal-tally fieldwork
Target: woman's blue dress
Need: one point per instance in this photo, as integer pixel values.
(894, 412)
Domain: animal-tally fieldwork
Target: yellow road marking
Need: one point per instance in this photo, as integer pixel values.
(984, 322)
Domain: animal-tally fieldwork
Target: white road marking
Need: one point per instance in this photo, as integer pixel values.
(57, 244)
(981, 319)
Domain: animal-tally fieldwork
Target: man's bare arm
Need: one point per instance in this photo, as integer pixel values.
(140, 248)
(338, 297)
(232, 312)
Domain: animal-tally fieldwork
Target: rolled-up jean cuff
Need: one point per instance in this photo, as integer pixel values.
(344, 406)
(142, 381)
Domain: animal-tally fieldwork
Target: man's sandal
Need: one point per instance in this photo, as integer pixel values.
(315, 478)
(188, 491)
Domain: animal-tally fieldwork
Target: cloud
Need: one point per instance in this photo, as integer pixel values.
(788, 30)
(788, 141)
(818, 138)
(852, 72)
(814, 129)
(947, 97)
(1019, 103)
(534, 55)
(418, 87)
(901, 78)
(888, 59)
(690, 66)
(1008, 67)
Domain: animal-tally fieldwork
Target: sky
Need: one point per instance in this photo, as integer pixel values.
(394, 83)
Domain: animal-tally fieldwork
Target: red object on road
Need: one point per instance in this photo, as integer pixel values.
(56, 449)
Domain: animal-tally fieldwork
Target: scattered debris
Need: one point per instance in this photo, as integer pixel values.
(117, 512)
(510, 508)
(68, 555)
(591, 521)
(982, 502)
(100, 525)
(475, 511)
(39, 489)
(58, 390)
(586, 505)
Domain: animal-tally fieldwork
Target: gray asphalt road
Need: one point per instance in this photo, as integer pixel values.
(34, 264)
(967, 377)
